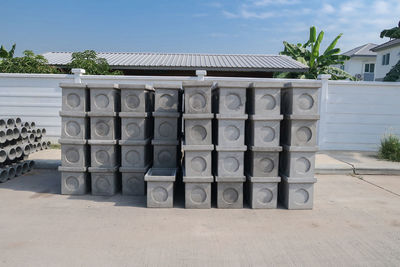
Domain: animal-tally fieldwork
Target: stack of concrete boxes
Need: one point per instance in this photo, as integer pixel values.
(104, 135)
(263, 130)
(198, 145)
(136, 134)
(74, 135)
(229, 102)
(166, 153)
(299, 142)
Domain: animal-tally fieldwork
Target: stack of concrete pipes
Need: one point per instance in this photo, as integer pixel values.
(17, 141)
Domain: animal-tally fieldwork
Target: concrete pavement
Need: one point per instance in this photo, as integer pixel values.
(355, 222)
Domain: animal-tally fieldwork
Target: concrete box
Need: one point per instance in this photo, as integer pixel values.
(103, 127)
(229, 161)
(167, 98)
(264, 98)
(197, 96)
(198, 160)
(165, 153)
(167, 125)
(263, 131)
(197, 195)
(160, 187)
(136, 98)
(229, 192)
(299, 130)
(74, 153)
(136, 126)
(230, 98)
(74, 181)
(135, 154)
(198, 129)
(300, 98)
(75, 97)
(133, 181)
(104, 154)
(74, 125)
(229, 130)
(262, 162)
(105, 181)
(298, 161)
(262, 192)
(104, 98)
(297, 193)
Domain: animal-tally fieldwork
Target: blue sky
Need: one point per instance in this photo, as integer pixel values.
(246, 27)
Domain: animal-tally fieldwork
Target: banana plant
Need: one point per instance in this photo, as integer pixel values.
(7, 54)
(393, 33)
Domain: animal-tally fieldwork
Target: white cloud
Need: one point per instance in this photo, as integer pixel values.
(327, 9)
(381, 7)
(274, 2)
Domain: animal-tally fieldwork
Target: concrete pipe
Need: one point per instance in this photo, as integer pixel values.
(3, 137)
(31, 164)
(27, 125)
(38, 139)
(10, 123)
(11, 172)
(16, 133)
(3, 155)
(23, 132)
(48, 144)
(18, 151)
(38, 133)
(3, 175)
(32, 131)
(18, 169)
(9, 134)
(26, 149)
(18, 122)
(44, 145)
(11, 153)
(2, 124)
(44, 131)
(25, 167)
(39, 146)
(31, 138)
(33, 125)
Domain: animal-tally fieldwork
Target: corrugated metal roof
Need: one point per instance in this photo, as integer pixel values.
(388, 44)
(362, 51)
(230, 62)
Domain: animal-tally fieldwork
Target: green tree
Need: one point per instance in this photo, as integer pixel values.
(92, 64)
(7, 54)
(318, 63)
(29, 63)
(393, 33)
(394, 74)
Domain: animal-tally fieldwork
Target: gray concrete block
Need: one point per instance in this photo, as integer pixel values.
(74, 125)
(135, 126)
(298, 161)
(167, 125)
(300, 98)
(263, 131)
(104, 98)
(75, 97)
(198, 160)
(165, 153)
(229, 130)
(299, 130)
(229, 193)
(167, 97)
(229, 161)
(264, 98)
(135, 154)
(104, 154)
(262, 192)
(105, 181)
(198, 129)
(197, 96)
(74, 153)
(197, 195)
(297, 193)
(230, 97)
(262, 162)
(160, 187)
(74, 181)
(136, 98)
(103, 127)
(133, 181)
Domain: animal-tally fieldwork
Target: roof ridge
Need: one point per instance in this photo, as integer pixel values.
(168, 53)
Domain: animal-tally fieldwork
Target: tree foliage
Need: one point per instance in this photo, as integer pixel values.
(29, 63)
(394, 74)
(393, 33)
(318, 63)
(92, 64)
(7, 54)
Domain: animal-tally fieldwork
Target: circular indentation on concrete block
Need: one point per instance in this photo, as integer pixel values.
(72, 155)
(233, 101)
(303, 165)
(166, 101)
(132, 101)
(159, 194)
(268, 133)
(72, 183)
(198, 164)
(164, 156)
(198, 195)
(72, 128)
(132, 130)
(267, 102)
(231, 164)
(198, 133)
(266, 165)
(102, 128)
(132, 157)
(230, 195)
(102, 157)
(165, 129)
(101, 101)
(197, 101)
(232, 133)
(305, 101)
(300, 196)
(73, 100)
(303, 134)
(264, 196)
(133, 182)
(102, 184)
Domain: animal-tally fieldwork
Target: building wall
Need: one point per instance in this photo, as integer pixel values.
(356, 65)
(382, 70)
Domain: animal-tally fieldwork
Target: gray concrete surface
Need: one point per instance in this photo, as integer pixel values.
(353, 223)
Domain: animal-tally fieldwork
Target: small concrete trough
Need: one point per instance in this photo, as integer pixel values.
(133, 183)
(230, 192)
(104, 154)
(105, 181)
(136, 126)
(160, 187)
(74, 153)
(264, 98)
(74, 125)
(262, 161)
(167, 97)
(298, 161)
(198, 160)
(74, 180)
(230, 97)
(198, 192)
(104, 98)
(104, 126)
(167, 125)
(263, 131)
(297, 193)
(75, 97)
(137, 98)
(198, 129)
(197, 97)
(262, 192)
(165, 153)
(300, 98)
(229, 161)
(299, 130)
(229, 130)
(135, 154)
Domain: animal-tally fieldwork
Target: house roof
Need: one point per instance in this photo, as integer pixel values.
(388, 44)
(169, 61)
(361, 51)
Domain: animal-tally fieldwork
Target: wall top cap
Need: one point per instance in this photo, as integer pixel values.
(167, 86)
(197, 83)
(232, 84)
(73, 85)
(136, 86)
(269, 84)
(313, 84)
(102, 86)
(78, 71)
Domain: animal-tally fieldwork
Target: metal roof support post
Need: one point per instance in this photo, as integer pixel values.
(200, 74)
(78, 74)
